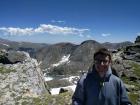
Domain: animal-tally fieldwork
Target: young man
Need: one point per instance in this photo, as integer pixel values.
(100, 86)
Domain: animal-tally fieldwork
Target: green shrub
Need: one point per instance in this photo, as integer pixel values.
(61, 99)
(135, 83)
(25, 103)
(5, 70)
(136, 68)
(134, 98)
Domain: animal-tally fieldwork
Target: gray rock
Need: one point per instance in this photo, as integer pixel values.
(20, 81)
(137, 40)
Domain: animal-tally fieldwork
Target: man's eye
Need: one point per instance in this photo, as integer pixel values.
(105, 61)
(99, 61)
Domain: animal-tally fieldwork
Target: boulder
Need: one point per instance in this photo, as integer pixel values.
(21, 81)
(16, 56)
(132, 53)
(62, 90)
(11, 57)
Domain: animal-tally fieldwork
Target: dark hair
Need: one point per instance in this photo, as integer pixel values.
(103, 51)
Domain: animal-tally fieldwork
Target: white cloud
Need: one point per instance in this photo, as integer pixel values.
(16, 31)
(105, 35)
(89, 36)
(57, 21)
(138, 33)
(53, 29)
(44, 28)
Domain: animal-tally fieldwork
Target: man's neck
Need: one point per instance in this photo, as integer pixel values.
(101, 74)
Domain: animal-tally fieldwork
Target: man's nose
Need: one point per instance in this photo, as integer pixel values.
(101, 63)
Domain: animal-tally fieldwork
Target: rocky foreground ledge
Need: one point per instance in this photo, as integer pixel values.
(21, 79)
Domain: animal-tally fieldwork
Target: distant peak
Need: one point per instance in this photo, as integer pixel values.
(89, 41)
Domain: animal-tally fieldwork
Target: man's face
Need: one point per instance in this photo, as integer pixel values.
(102, 63)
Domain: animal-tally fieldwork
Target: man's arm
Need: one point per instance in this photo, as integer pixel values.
(124, 100)
(78, 96)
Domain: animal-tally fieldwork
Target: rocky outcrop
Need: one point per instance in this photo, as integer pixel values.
(132, 52)
(137, 40)
(129, 71)
(11, 57)
(20, 80)
(122, 67)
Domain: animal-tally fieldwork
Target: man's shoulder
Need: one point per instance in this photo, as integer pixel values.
(84, 76)
(114, 78)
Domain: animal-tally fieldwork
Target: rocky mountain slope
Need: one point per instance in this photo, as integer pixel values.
(22, 82)
(66, 58)
(61, 58)
(77, 58)
(114, 46)
(29, 47)
(127, 64)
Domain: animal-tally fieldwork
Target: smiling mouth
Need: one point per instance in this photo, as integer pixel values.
(101, 69)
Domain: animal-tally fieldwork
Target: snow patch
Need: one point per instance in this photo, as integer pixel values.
(72, 79)
(62, 61)
(48, 78)
(55, 91)
(5, 44)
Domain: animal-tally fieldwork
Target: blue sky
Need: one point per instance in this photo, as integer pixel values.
(53, 21)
